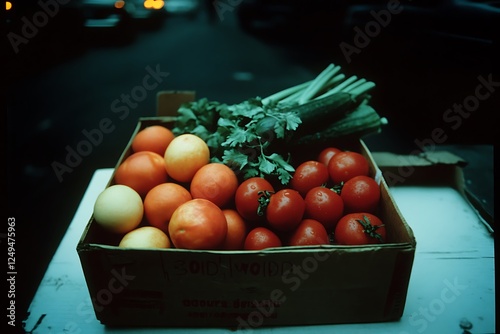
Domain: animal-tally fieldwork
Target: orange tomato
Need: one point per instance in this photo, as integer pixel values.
(184, 155)
(198, 224)
(215, 182)
(161, 202)
(236, 230)
(142, 171)
(154, 138)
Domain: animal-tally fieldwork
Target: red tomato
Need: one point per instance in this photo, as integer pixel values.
(308, 175)
(309, 232)
(325, 206)
(260, 238)
(346, 165)
(285, 210)
(198, 224)
(359, 229)
(247, 198)
(326, 154)
(360, 194)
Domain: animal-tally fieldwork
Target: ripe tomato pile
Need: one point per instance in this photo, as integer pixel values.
(199, 204)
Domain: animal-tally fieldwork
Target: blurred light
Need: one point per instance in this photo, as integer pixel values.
(159, 4)
(119, 4)
(154, 4)
(243, 76)
(8, 5)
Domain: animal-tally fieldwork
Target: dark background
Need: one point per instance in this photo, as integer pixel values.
(64, 79)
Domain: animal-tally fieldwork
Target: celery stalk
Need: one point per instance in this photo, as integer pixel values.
(339, 87)
(362, 89)
(283, 94)
(318, 83)
(354, 85)
(331, 83)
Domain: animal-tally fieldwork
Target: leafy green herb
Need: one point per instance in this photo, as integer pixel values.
(236, 139)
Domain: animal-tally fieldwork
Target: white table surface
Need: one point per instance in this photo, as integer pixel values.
(452, 278)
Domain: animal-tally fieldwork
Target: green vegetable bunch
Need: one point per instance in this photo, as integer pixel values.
(252, 136)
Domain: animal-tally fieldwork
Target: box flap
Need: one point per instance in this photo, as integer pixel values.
(168, 102)
(388, 159)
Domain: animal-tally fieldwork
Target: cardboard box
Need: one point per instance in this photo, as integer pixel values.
(248, 289)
